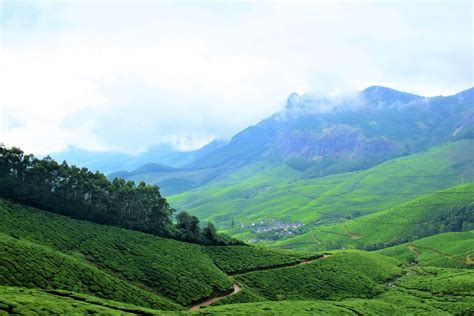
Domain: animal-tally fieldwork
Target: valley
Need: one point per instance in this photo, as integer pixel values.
(310, 212)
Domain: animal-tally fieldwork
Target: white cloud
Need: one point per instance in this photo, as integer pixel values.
(131, 74)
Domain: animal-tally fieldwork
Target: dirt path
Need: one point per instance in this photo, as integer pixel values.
(208, 302)
(237, 288)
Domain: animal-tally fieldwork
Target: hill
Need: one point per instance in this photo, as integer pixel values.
(164, 269)
(170, 180)
(341, 275)
(428, 291)
(112, 161)
(23, 301)
(260, 193)
(449, 250)
(441, 211)
(25, 264)
(74, 266)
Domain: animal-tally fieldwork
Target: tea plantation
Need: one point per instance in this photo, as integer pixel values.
(450, 250)
(344, 274)
(25, 264)
(22, 301)
(434, 213)
(51, 264)
(238, 259)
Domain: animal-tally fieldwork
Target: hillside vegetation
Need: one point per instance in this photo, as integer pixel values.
(173, 269)
(123, 260)
(63, 266)
(262, 192)
(450, 250)
(25, 264)
(441, 211)
(237, 259)
(22, 301)
(423, 292)
(81, 194)
(345, 274)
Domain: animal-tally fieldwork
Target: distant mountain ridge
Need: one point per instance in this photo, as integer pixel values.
(318, 135)
(110, 161)
(374, 125)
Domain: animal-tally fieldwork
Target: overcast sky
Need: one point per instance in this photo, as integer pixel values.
(123, 75)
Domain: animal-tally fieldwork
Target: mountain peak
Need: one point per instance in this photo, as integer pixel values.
(293, 100)
(387, 95)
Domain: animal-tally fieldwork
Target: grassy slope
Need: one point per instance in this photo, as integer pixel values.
(22, 301)
(345, 274)
(397, 223)
(25, 264)
(234, 259)
(450, 250)
(260, 192)
(177, 270)
(427, 291)
(115, 258)
(422, 291)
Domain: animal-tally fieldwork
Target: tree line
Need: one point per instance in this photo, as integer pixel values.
(82, 194)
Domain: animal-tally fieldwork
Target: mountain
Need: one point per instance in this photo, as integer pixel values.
(323, 136)
(330, 135)
(110, 161)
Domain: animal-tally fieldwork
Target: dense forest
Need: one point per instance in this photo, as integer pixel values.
(82, 194)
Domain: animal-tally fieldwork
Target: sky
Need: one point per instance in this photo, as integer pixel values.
(125, 75)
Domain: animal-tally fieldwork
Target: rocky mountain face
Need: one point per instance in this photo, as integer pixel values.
(341, 134)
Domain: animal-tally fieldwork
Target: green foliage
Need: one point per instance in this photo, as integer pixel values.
(442, 211)
(21, 301)
(450, 250)
(81, 194)
(264, 191)
(237, 259)
(25, 264)
(345, 274)
(427, 291)
(177, 270)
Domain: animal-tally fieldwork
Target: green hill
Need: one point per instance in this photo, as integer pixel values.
(237, 259)
(441, 211)
(22, 301)
(51, 264)
(344, 274)
(117, 260)
(25, 264)
(177, 270)
(262, 193)
(450, 250)
(429, 291)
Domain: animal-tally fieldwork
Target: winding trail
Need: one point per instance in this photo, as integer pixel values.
(237, 288)
(208, 302)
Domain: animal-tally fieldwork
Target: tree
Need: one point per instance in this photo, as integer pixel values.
(82, 194)
(188, 227)
(210, 233)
